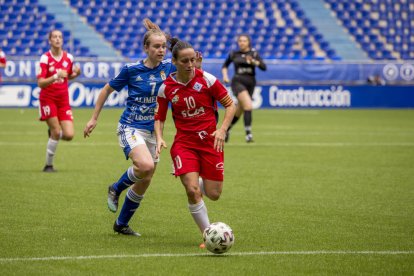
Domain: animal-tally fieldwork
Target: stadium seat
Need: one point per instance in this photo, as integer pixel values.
(379, 21)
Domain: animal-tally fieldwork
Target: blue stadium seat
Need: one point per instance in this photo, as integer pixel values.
(397, 26)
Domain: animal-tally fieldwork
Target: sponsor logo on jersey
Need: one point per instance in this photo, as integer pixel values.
(175, 91)
(203, 134)
(197, 86)
(65, 64)
(193, 112)
(163, 76)
(175, 99)
(144, 108)
(144, 118)
(138, 78)
(152, 77)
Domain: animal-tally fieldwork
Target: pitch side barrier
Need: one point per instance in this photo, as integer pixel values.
(284, 84)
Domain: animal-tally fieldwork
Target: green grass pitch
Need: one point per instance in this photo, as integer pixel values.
(323, 192)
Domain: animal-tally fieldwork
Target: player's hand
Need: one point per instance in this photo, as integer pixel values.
(160, 145)
(199, 59)
(219, 136)
(76, 71)
(62, 73)
(226, 79)
(251, 60)
(90, 126)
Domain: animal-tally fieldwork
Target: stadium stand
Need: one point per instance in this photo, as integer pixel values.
(24, 26)
(280, 29)
(340, 42)
(382, 28)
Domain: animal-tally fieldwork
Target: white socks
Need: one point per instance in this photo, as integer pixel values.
(200, 216)
(50, 151)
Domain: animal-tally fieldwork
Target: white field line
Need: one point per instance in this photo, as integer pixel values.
(257, 144)
(171, 255)
(303, 133)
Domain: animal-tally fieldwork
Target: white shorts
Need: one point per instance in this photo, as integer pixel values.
(130, 137)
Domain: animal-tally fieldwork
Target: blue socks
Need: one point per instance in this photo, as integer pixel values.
(126, 180)
(131, 204)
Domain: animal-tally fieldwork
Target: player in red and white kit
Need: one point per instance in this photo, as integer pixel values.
(3, 60)
(198, 144)
(56, 68)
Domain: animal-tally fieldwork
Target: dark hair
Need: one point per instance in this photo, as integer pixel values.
(177, 45)
(248, 39)
(152, 29)
(51, 32)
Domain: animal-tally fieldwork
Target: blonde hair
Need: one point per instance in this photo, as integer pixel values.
(152, 29)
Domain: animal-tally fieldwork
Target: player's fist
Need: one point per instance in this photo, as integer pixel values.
(62, 73)
(249, 59)
(76, 71)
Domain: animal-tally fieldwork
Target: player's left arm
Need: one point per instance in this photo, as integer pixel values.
(2, 59)
(258, 61)
(76, 71)
(230, 110)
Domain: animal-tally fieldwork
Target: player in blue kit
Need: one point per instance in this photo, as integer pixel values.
(136, 125)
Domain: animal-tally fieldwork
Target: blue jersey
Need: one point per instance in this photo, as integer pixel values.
(143, 84)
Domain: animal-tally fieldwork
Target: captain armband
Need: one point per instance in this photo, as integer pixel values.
(226, 101)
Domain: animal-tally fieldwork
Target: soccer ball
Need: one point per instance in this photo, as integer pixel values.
(218, 237)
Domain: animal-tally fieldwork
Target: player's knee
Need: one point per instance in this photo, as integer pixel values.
(67, 137)
(144, 169)
(193, 194)
(55, 133)
(214, 195)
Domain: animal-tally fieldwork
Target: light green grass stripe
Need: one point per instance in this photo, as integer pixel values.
(65, 258)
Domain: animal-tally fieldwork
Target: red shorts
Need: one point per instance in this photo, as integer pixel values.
(193, 155)
(50, 108)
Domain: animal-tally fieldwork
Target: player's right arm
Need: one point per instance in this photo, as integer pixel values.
(160, 117)
(224, 70)
(117, 84)
(103, 96)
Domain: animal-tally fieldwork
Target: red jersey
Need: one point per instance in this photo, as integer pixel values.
(2, 59)
(194, 104)
(48, 67)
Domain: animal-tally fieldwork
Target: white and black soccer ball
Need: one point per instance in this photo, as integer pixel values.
(218, 237)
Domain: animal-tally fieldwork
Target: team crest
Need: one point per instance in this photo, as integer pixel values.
(197, 86)
(163, 76)
(65, 64)
(175, 99)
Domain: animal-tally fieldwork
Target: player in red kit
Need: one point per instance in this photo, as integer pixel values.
(56, 68)
(3, 61)
(198, 144)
